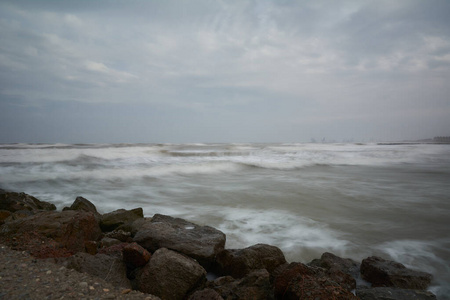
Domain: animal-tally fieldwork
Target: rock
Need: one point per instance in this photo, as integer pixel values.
(202, 243)
(12, 202)
(330, 261)
(114, 250)
(170, 275)
(108, 268)
(112, 220)
(299, 281)
(81, 203)
(91, 247)
(255, 285)
(4, 214)
(120, 235)
(108, 242)
(135, 255)
(70, 228)
(381, 272)
(206, 294)
(389, 293)
(238, 263)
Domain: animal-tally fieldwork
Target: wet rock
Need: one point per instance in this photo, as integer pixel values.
(389, 293)
(206, 294)
(108, 268)
(12, 202)
(381, 272)
(255, 285)
(135, 255)
(81, 203)
(202, 243)
(299, 281)
(120, 217)
(170, 275)
(70, 228)
(240, 262)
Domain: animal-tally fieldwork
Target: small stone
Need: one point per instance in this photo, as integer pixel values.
(126, 291)
(48, 272)
(83, 285)
(106, 290)
(91, 288)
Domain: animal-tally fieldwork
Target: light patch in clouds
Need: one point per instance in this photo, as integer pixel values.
(232, 71)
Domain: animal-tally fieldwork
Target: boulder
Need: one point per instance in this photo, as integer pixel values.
(114, 250)
(69, 228)
(84, 204)
(120, 235)
(202, 243)
(238, 263)
(12, 202)
(255, 285)
(112, 220)
(389, 293)
(108, 268)
(330, 261)
(135, 255)
(206, 294)
(170, 275)
(299, 281)
(381, 272)
(108, 242)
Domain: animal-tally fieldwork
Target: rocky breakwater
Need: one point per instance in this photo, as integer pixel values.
(172, 258)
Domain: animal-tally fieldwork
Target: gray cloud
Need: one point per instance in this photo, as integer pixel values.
(151, 71)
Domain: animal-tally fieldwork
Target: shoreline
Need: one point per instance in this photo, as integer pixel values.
(78, 237)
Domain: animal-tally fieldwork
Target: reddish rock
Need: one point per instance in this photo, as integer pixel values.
(238, 263)
(71, 229)
(381, 272)
(4, 214)
(298, 281)
(91, 247)
(135, 255)
(12, 202)
(202, 243)
(170, 275)
(114, 250)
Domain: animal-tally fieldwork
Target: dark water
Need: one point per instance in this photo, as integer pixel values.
(354, 200)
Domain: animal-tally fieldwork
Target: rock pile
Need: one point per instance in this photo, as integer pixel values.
(172, 258)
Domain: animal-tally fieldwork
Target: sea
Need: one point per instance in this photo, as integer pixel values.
(352, 199)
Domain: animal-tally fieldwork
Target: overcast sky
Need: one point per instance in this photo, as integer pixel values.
(223, 71)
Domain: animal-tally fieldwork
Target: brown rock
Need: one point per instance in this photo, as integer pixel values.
(299, 281)
(135, 255)
(112, 220)
(238, 263)
(206, 294)
(255, 285)
(12, 202)
(330, 261)
(69, 228)
(81, 203)
(170, 275)
(381, 272)
(390, 293)
(202, 243)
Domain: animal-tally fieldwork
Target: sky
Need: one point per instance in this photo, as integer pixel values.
(203, 71)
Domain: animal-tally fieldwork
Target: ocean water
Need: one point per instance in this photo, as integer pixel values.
(354, 200)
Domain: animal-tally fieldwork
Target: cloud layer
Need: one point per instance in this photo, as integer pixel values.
(223, 71)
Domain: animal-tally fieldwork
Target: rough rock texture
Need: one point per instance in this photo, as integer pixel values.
(84, 204)
(69, 228)
(120, 235)
(170, 275)
(388, 293)
(120, 217)
(13, 202)
(330, 261)
(108, 268)
(298, 281)
(240, 262)
(135, 255)
(202, 243)
(206, 294)
(381, 272)
(256, 285)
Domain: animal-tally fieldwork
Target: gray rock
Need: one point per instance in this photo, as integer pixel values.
(330, 261)
(389, 293)
(84, 204)
(238, 263)
(170, 275)
(202, 243)
(381, 272)
(112, 220)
